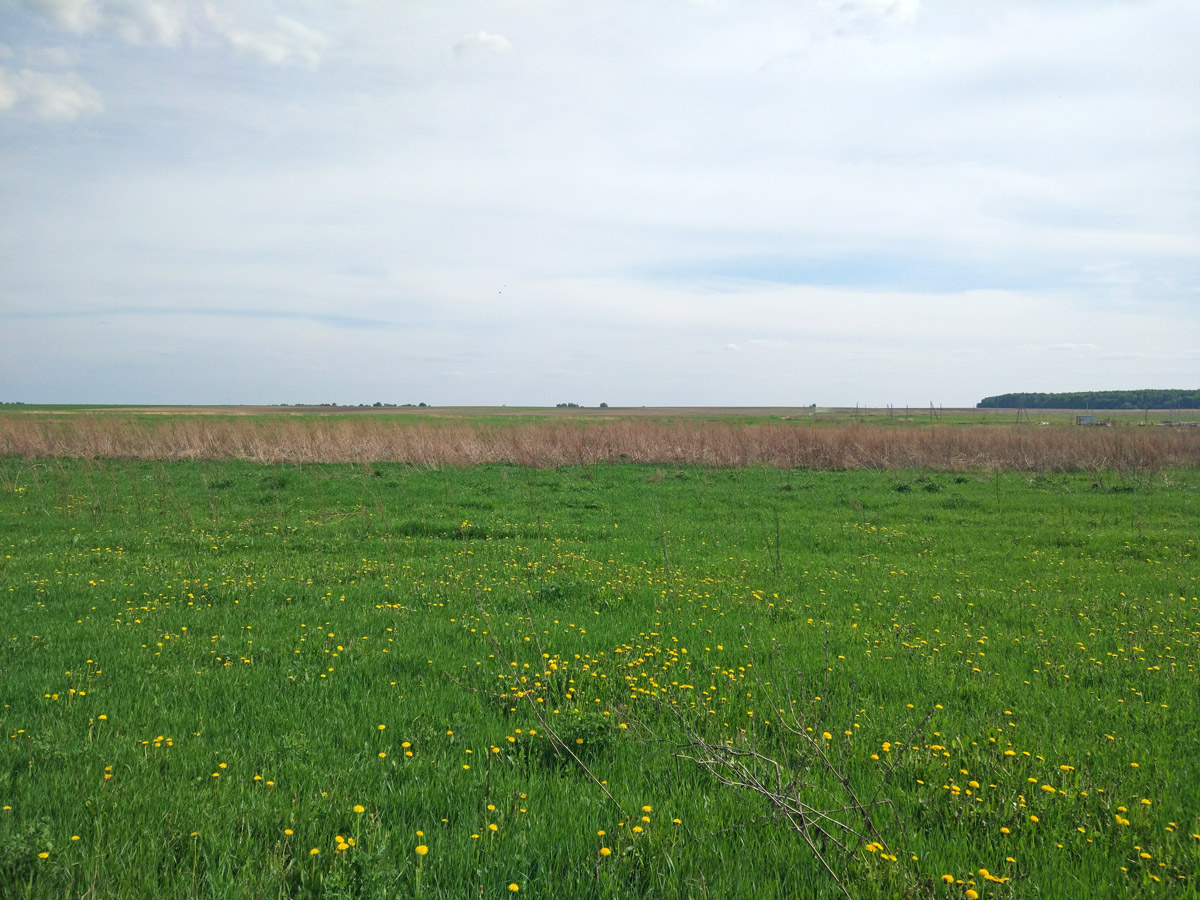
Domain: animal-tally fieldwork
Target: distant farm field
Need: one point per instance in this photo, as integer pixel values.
(223, 678)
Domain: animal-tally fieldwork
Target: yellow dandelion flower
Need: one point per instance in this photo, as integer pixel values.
(514, 887)
(493, 827)
(359, 809)
(972, 894)
(315, 851)
(647, 809)
(422, 850)
(949, 879)
(43, 855)
(827, 735)
(604, 851)
(288, 832)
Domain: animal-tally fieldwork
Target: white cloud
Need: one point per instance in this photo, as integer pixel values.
(9, 90)
(281, 42)
(156, 22)
(161, 23)
(77, 16)
(56, 96)
(888, 10)
(482, 45)
(275, 40)
(59, 57)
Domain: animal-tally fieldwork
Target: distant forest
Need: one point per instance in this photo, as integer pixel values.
(1144, 399)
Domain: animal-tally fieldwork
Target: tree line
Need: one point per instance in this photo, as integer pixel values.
(1149, 398)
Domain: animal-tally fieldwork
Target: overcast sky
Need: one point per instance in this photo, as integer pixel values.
(641, 202)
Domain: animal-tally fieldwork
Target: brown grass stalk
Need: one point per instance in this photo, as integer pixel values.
(682, 441)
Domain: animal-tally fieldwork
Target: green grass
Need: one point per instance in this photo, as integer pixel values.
(224, 641)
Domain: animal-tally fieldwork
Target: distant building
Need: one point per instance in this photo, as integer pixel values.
(1085, 420)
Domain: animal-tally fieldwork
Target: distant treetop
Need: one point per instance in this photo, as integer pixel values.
(1148, 398)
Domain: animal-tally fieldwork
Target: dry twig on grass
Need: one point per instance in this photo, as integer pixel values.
(803, 786)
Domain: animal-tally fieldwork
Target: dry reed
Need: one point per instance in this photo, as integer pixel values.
(683, 441)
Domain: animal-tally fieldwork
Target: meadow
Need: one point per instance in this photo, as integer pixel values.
(227, 678)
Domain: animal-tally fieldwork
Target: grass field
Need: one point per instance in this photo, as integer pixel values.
(222, 678)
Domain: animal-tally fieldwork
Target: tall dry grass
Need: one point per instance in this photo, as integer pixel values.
(448, 442)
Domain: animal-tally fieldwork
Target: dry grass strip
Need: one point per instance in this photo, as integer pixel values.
(683, 441)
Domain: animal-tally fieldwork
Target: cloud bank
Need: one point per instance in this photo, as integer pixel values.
(50, 95)
(687, 202)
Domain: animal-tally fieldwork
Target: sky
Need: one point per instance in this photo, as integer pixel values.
(636, 202)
